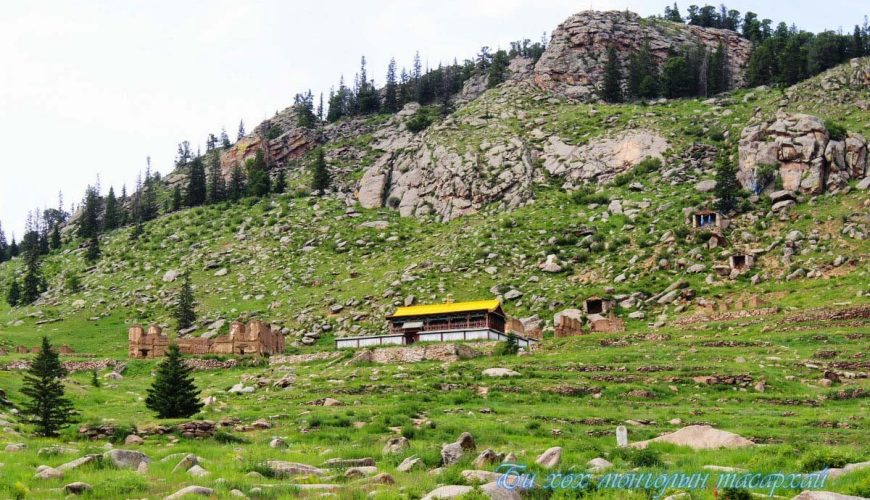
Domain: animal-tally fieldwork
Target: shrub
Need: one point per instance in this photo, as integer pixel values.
(821, 459)
(735, 494)
(837, 131)
(420, 121)
(639, 457)
(586, 196)
(765, 174)
(224, 437)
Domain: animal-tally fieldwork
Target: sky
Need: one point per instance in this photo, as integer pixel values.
(93, 88)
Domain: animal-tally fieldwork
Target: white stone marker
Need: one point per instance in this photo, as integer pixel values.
(621, 436)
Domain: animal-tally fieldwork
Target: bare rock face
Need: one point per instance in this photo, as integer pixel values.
(801, 150)
(573, 64)
(600, 160)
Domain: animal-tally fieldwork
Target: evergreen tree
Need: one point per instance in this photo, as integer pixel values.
(93, 253)
(4, 246)
(13, 248)
(183, 156)
(137, 231)
(55, 242)
(177, 199)
(280, 183)
(320, 178)
(225, 139)
(47, 407)
(112, 217)
(217, 188)
(173, 394)
(320, 109)
(259, 183)
(391, 96)
(89, 223)
(303, 108)
(185, 314)
(673, 14)
(34, 283)
(717, 72)
(241, 130)
(727, 187)
(643, 75)
(611, 86)
(13, 295)
(367, 98)
(676, 81)
(148, 198)
(498, 69)
(236, 187)
(196, 183)
(511, 346)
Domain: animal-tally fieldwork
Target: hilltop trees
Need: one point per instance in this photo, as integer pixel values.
(303, 108)
(173, 393)
(498, 70)
(391, 93)
(47, 408)
(112, 217)
(217, 188)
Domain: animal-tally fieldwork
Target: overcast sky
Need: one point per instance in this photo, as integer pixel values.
(92, 88)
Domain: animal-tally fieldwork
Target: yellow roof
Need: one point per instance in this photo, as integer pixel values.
(452, 307)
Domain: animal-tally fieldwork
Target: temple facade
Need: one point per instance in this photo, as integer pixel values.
(255, 338)
(452, 321)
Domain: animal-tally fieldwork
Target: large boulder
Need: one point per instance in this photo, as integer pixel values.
(453, 452)
(126, 459)
(287, 469)
(573, 64)
(699, 437)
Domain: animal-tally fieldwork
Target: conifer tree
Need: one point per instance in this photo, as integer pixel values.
(137, 231)
(673, 14)
(280, 183)
(55, 241)
(177, 199)
(4, 246)
(727, 187)
(148, 198)
(717, 73)
(241, 133)
(611, 86)
(47, 407)
(497, 71)
(391, 95)
(259, 183)
(13, 295)
(34, 283)
(217, 188)
(173, 393)
(185, 313)
(89, 224)
(236, 187)
(320, 179)
(303, 108)
(225, 139)
(196, 183)
(13, 248)
(93, 253)
(112, 217)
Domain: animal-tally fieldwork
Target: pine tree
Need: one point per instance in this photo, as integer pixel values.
(173, 393)
(13, 295)
(611, 86)
(643, 76)
(511, 346)
(676, 81)
(717, 75)
(259, 183)
(89, 224)
(320, 179)
(303, 108)
(280, 183)
(196, 183)
(13, 248)
(112, 217)
(137, 232)
(34, 283)
(93, 253)
(55, 241)
(217, 188)
(4, 246)
(225, 139)
(727, 187)
(241, 133)
(148, 198)
(177, 199)
(391, 96)
(236, 187)
(673, 14)
(185, 313)
(498, 69)
(47, 407)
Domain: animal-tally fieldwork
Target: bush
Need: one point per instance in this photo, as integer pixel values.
(837, 131)
(224, 437)
(586, 196)
(72, 282)
(735, 494)
(420, 121)
(822, 459)
(639, 457)
(765, 174)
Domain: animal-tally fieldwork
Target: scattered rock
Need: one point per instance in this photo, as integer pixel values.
(500, 372)
(699, 437)
(77, 488)
(190, 490)
(550, 458)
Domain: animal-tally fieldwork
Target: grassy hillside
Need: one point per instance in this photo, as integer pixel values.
(289, 258)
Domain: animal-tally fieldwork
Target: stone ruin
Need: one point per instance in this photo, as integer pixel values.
(568, 323)
(742, 303)
(255, 338)
(531, 327)
(597, 305)
(741, 262)
(63, 349)
(599, 317)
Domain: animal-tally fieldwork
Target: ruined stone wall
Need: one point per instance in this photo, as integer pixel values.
(257, 338)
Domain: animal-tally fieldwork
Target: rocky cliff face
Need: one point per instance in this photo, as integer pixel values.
(801, 150)
(573, 64)
(288, 141)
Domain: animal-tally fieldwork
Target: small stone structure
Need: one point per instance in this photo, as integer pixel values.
(741, 262)
(707, 219)
(567, 325)
(257, 338)
(597, 305)
(525, 327)
(606, 324)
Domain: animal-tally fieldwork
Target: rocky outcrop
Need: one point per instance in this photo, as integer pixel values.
(800, 149)
(279, 138)
(573, 64)
(600, 160)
